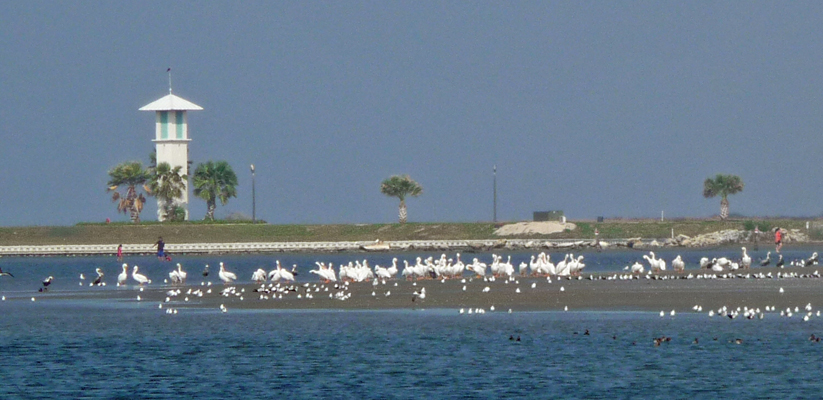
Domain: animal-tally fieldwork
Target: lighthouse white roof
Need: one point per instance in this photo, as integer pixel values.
(170, 102)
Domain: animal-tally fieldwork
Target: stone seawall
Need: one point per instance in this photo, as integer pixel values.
(707, 240)
(284, 247)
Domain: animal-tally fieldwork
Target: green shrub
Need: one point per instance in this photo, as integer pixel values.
(763, 226)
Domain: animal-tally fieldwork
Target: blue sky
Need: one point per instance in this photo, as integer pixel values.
(616, 109)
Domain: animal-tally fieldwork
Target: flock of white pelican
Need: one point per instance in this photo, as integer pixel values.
(448, 268)
(721, 264)
(334, 283)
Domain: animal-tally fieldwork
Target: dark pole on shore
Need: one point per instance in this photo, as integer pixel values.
(495, 195)
(253, 203)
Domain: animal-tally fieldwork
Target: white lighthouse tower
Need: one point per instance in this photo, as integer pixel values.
(172, 137)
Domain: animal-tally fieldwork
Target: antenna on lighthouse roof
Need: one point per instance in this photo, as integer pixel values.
(169, 71)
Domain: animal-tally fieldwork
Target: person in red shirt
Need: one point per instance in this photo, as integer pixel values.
(778, 239)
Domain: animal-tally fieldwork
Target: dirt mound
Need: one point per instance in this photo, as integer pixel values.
(533, 228)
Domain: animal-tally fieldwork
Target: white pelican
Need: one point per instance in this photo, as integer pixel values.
(678, 264)
(286, 275)
(140, 278)
(562, 267)
(637, 268)
(745, 261)
(180, 273)
(259, 275)
(704, 263)
(381, 273)
(121, 279)
(393, 269)
(177, 275)
(226, 276)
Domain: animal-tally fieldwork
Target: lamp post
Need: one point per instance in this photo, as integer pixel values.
(495, 194)
(253, 204)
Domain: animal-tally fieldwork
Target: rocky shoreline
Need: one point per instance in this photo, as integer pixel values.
(714, 239)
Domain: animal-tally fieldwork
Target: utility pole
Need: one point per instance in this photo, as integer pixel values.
(495, 194)
(253, 199)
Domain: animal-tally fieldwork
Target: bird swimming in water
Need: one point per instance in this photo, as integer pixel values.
(206, 270)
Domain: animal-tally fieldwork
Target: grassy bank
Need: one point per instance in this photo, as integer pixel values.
(198, 232)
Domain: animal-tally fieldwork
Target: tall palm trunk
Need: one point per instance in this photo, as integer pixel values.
(724, 208)
(134, 212)
(403, 213)
(212, 205)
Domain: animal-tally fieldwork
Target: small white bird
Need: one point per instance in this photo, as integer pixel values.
(419, 295)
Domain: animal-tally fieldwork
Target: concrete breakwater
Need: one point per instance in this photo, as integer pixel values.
(719, 238)
(284, 247)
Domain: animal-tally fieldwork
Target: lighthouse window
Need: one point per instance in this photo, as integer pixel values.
(178, 121)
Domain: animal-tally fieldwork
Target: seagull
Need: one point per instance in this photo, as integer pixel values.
(779, 261)
(206, 270)
(419, 295)
(5, 273)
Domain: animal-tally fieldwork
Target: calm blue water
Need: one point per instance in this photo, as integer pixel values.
(92, 349)
(74, 352)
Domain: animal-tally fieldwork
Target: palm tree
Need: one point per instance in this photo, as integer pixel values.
(167, 184)
(722, 185)
(400, 187)
(131, 174)
(213, 181)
